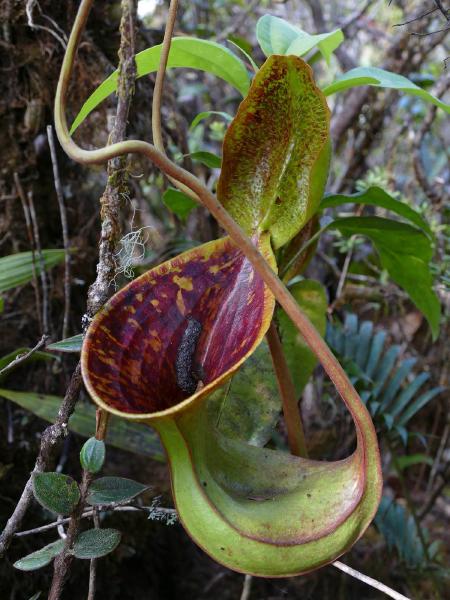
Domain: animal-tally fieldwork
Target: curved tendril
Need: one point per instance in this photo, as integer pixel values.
(311, 336)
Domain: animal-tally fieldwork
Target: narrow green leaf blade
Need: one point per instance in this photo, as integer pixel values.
(376, 196)
(117, 490)
(56, 492)
(71, 344)
(17, 269)
(40, 558)
(96, 543)
(419, 403)
(122, 434)
(381, 78)
(186, 52)
(179, 203)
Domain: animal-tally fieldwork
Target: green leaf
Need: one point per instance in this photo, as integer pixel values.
(248, 407)
(122, 434)
(312, 299)
(117, 490)
(184, 52)
(273, 174)
(381, 78)
(56, 492)
(206, 114)
(35, 596)
(95, 543)
(71, 344)
(179, 203)
(375, 196)
(92, 455)
(17, 269)
(405, 252)
(40, 558)
(207, 158)
(277, 36)
(409, 460)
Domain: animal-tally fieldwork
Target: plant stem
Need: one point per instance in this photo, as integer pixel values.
(295, 432)
(369, 581)
(158, 91)
(65, 231)
(64, 560)
(160, 75)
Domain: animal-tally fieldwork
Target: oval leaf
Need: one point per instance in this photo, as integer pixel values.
(96, 543)
(179, 203)
(384, 79)
(56, 492)
(375, 196)
(207, 158)
(184, 52)
(277, 36)
(114, 490)
(92, 455)
(276, 151)
(40, 558)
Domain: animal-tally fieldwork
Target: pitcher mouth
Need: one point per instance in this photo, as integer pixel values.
(177, 332)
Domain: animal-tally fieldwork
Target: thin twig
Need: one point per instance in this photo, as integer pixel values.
(247, 587)
(438, 458)
(418, 18)
(65, 558)
(369, 581)
(170, 512)
(159, 87)
(65, 231)
(42, 271)
(93, 563)
(353, 18)
(160, 76)
(292, 418)
(238, 21)
(20, 358)
(29, 7)
(26, 212)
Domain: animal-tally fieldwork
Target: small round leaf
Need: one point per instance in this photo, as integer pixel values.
(92, 455)
(56, 492)
(95, 543)
(40, 558)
